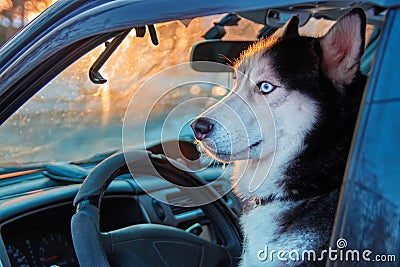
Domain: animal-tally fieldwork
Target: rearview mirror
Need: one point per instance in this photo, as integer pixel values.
(216, 51)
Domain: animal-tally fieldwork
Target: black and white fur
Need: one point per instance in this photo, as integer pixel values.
(289, 147)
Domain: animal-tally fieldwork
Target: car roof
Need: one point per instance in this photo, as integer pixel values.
(87, 18)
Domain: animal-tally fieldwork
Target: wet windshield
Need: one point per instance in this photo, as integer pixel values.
(71, 118)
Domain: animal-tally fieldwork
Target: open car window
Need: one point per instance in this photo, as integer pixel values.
(72, 118)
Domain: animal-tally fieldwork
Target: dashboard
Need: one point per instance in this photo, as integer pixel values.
(40, 239)
(35, 224)
(43, 238)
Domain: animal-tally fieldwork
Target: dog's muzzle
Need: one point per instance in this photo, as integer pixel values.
(202, 127)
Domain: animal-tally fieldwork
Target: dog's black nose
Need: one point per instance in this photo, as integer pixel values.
(202, 127)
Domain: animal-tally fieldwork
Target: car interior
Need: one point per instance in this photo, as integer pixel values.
(88, 117)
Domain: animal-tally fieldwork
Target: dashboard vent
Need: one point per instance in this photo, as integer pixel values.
(179, 210)
(177, 201)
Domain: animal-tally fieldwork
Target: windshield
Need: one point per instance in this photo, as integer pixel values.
(71, 118)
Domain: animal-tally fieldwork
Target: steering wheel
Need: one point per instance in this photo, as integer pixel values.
(149, 244)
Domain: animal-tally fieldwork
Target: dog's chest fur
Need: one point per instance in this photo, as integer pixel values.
(288, 225)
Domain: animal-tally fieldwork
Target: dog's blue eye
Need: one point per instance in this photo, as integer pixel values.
(266, 87)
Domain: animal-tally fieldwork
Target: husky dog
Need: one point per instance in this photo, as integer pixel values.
(287, 126)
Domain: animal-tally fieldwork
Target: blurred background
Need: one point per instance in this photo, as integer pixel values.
(71, 118)
(14, 14)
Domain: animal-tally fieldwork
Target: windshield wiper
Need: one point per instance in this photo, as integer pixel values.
(62, 171)
(94, 73)
(24, 167)
(67, 171)
(218, 30)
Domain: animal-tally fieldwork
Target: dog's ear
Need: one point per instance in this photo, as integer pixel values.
(291, 28)
(342, 47)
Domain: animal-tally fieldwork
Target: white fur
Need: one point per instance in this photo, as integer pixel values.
(294, 118)
(260, 226)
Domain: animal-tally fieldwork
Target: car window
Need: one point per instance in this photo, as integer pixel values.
(72, 118)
